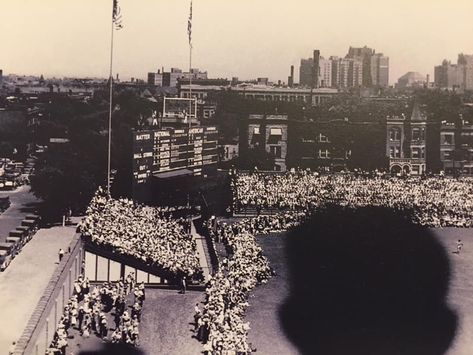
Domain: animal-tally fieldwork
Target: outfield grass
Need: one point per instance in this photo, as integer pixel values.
(267, 334)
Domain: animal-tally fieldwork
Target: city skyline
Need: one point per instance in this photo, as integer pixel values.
(230, 39)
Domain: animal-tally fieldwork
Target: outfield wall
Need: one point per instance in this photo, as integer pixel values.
(41, 326)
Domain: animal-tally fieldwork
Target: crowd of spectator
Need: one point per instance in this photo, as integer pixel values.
(434, 201)
(86, 312)
(220, 324)
(144, 233)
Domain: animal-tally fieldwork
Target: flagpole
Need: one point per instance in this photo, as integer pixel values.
(110, 107)
(189, 30)
(190, 84)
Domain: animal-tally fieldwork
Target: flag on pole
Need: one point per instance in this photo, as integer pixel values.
(189, 26)
(117, 15)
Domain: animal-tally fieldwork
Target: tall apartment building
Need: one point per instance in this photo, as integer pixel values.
(305, 72)
(375, 66)
(364, 54)
(346, 72)
(309, 71)
(360, 67)
(325, 73)
(379, 70)
(460, 75)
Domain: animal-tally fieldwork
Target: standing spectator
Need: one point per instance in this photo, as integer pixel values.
(61, 254)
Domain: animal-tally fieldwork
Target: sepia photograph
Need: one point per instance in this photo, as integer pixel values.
(186, 177)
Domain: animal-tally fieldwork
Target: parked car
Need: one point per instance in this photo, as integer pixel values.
(5, 260)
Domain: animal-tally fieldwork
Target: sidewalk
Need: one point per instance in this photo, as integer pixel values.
(23, 282)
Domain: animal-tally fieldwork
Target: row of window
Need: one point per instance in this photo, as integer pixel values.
(395, 134)
(416, 153)
(326, 154)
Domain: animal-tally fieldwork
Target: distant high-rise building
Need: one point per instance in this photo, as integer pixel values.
(290, 79)
(364, 54)
(465, 62)
(375, 66)
(380, 70)
(346, 72)
(316, 69)
(309, 71)
(325, 73)
(305, 72)
(335, 71)
(460, 75)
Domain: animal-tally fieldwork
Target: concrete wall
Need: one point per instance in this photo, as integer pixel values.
(41, 327)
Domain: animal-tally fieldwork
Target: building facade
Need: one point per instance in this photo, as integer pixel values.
(380, 70)
(455, 76)
(306, 77)
(325, 73)
(406, 141)
(313, 97)
(155, 79)
(269, 132)
(364, 55)
(321, 145)
(456, 147)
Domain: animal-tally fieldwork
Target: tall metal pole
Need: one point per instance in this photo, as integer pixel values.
(110, 111)
(190, 84)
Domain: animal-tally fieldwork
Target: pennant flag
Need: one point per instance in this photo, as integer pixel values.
(117, 16)
(189, 26)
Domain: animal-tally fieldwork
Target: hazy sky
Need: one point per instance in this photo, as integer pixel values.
(244, 38)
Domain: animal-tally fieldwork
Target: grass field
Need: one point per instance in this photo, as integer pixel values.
(166, 326)
(267, 333)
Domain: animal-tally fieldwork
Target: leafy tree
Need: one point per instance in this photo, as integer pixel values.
(255, 157)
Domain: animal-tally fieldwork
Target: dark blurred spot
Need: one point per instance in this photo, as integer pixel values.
(365, 282)
(114, 349)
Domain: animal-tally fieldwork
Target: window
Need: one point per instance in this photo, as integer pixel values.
(415, 154)
(416, 134)
(275, 132)
(323, 138)
(447, 155)
(347, 154)
(256, 130)
(397, 152)
(324, 153)
(275, 151)
(394, 152)
(394, 134)
(447, 139)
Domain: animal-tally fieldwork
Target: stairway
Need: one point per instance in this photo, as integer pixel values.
(203, 251)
